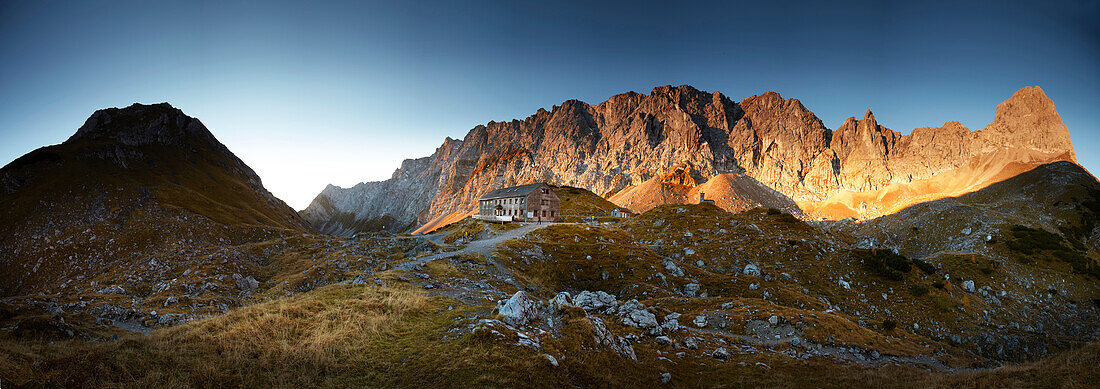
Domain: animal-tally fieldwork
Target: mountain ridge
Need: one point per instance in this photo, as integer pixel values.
(633, 140)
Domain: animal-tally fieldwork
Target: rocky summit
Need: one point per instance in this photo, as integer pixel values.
(641, 151)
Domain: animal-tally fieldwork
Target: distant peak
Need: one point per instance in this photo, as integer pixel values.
(869, 115)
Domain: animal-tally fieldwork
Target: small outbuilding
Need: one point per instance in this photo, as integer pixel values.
(703, 199)
(531, 202)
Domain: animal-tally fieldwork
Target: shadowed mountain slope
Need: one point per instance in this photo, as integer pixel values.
(125, 201)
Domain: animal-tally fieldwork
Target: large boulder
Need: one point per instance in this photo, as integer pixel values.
(605, 337)
(752, 270)
(595, 301)
(561, 301)
(245, 283)
(520, 309)
(635, 315)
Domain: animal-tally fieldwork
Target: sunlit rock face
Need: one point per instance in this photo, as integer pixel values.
(641, 151)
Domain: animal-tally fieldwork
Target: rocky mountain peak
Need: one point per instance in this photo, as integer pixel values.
(1028, 119)
(141, 124)
(869, 115)
(674, 90)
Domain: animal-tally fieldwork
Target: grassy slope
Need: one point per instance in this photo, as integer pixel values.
(397, 336)
(580, 203)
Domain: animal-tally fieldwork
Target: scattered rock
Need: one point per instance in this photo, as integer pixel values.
(605, 337)
(520, 309)
(671, 324)
(690, 343)
(560, 301)
(635, 315)
(752, 270)
(968, 286)
(691, 289)
(245, 283)
(721, 354)
(700, 321)
(113, 289)
(666, 377)
(673, 268)
(592, 301)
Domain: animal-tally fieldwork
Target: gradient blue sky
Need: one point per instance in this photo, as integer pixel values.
(319, 93)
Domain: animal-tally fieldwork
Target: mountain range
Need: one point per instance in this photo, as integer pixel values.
(640, 151)
(141, 251)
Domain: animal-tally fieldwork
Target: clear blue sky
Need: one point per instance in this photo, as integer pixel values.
(318, 93)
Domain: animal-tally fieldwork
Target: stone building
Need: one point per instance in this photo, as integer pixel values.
(531, 202)
(621, 212)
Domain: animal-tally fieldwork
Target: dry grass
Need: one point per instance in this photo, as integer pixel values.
(300, 340)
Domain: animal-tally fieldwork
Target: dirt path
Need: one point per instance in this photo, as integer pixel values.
(483, 247)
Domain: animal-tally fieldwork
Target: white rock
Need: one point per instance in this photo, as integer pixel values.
(673, 269)
(635, 315)
(605, 337)
(700, 321)
(690, 343)
(591, 301)
(560, 301)
(691, 289)
(520, 309)
(968, 286)
(844, 284)
(752, 270)
(721, 353)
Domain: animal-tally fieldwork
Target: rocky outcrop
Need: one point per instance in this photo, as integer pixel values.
(641, 151)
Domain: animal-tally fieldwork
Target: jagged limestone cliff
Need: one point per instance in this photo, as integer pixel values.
(641, 151)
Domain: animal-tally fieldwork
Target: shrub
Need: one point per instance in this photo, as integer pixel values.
(925, 267)
(938, 284)
(773, 211)
(918, 290)
(986, 270)
(788, 218)
(884, 263)
(889, 324)
(1030, 240)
